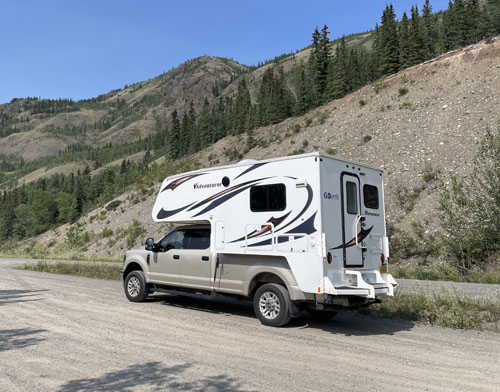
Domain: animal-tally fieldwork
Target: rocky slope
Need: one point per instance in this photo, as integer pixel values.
(421, 125)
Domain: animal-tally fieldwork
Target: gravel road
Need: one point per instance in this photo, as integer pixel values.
(67, 333)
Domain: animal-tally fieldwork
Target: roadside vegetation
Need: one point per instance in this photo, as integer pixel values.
(468, 244)
(445, 309)
(89, 270)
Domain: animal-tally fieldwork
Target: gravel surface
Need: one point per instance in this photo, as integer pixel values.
(68, 333)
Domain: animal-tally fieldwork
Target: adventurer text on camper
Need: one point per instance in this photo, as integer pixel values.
(203, 186)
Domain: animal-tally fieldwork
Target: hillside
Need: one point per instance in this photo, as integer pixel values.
(421, 125)
(36, 128)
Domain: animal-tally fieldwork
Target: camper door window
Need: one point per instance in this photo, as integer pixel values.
(268, 198)
(352, 197)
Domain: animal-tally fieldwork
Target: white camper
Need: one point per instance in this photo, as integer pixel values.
(311, 224)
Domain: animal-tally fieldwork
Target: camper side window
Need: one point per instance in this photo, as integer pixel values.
(352, 197)
(370, 196)
(268, 198)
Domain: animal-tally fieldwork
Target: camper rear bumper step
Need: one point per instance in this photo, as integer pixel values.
(363, 283)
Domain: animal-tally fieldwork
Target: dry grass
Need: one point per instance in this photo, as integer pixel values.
(89, 270)
(446, 309)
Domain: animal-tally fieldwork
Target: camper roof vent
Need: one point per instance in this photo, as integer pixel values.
(247, 161)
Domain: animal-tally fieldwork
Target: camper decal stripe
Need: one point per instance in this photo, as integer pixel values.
(305, 228)
(265, 228)
(221, 200)
(162, 214)
(213, 197)
(174, 184)
(361, 236)
(253, 167)
(308, 203)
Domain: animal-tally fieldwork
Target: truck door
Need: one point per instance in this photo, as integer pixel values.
(196, 259)
(164, 265)
(351, 221)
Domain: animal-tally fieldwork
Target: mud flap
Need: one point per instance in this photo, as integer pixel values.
(295, 310)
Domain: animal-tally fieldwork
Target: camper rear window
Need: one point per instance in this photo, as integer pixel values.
(268, 198)
(370, 195)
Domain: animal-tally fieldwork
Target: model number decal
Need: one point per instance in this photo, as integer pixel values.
(330, 196)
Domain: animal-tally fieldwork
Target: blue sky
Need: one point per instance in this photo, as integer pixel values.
(80, 49)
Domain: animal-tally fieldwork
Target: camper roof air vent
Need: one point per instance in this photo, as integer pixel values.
(247, 161)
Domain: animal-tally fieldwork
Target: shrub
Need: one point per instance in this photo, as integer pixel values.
(367, 138)
(470, 209)
(362, 102)
(233, 153)
(403, 91)
(295, 128)
(135, 230)
(308, 121)
(322, 116)
(305, 143)
(106, 232)
(113, 205)
(428, 173)
(331, 151)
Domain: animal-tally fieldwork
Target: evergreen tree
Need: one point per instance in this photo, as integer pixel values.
(205, 126)
(404, 42)
(320, 67)
(473, 19)
(173, 147)
(338, 81)
(491, 18)
(387, 42)
(241, 108)
(416, 46)
(304, 97)
(429, 31)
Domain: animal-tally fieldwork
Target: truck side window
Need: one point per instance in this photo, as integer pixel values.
(173, 240)
(268, 198)
(197, 239)
(370, 196)
(352, 197)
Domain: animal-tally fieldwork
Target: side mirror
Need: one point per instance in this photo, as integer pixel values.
(149, 243)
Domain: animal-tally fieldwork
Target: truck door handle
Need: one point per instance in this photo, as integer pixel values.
(176, 257)
(204, 258)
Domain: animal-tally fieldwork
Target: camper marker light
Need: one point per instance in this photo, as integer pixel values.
(329, 258)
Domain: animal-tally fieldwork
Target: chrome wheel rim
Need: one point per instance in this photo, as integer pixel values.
(269, 305)
(133, 286)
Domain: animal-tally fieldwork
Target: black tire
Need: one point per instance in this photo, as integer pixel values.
(136, 288)
(271, 304)
(321, 314)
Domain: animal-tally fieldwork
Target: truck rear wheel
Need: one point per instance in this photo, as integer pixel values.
(271, 304)
(135, 286)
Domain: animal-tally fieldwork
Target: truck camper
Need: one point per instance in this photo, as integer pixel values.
(293, 233)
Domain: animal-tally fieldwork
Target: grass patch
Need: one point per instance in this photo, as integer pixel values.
(60, 256)
(447, 273)
(446, 309)
(89, 270)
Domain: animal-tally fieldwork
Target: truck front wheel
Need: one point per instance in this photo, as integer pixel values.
(135, 286)
(271, 304)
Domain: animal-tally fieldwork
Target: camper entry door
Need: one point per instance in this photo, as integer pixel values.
(351, 220)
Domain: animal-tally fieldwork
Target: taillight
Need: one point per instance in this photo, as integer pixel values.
(329, 258)
(382, 258)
